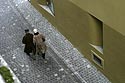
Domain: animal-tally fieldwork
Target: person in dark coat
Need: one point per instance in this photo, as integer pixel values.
(28, 41)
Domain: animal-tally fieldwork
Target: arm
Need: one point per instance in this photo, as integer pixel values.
(24, 40)
(43, 37)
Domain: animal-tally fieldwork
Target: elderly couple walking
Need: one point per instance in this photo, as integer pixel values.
(34, 43)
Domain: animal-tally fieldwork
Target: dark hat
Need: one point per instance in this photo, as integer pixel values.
(26, 30)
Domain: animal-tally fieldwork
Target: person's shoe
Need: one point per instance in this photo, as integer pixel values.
(34, 58)
(38, 53)
(45, 61)
(28, 54)
(43, 55)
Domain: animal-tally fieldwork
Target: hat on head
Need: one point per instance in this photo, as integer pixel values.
(26, 30)
(35, 30)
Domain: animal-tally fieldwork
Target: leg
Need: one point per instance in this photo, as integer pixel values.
(27, 53)
(34, 49)
(43, 55)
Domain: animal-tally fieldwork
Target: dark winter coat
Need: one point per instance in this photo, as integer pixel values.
(28, 41)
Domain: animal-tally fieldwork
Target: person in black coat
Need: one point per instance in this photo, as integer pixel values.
(28, 41)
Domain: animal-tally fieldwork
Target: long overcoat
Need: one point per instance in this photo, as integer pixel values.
(28, 41)
(39, 41)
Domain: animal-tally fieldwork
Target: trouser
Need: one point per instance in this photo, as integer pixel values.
(41, 52)
(43, 55)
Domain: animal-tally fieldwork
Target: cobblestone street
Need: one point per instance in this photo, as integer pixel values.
(64, 63)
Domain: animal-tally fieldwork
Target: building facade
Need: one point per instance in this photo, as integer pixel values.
(94, 27)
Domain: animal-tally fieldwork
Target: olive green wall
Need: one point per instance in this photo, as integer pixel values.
(42, 2)
(78, 27)
(95, 31)
(114, 44)
(72, 23)
(75, 29)
(111, 12)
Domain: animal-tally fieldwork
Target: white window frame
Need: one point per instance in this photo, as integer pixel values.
(102, 61)
(48, 8)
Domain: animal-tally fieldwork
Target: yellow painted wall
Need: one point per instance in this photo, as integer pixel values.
(111, 12)
(114, 55)
(76, 31)
(75, 23)
(95, 31)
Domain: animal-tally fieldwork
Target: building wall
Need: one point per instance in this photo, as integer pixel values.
(109, 11)
(81, 26)
(114, 55)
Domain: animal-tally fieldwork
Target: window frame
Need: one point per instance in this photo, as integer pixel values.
(49, 7)
(97, 63)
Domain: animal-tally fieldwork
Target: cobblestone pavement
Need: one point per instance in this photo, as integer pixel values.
(65, 64)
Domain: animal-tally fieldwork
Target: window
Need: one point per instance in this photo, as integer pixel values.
(48, 7)
(98, 60)
(96, 33)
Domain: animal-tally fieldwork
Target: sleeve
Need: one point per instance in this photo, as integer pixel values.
(43, 38)
(24, 40)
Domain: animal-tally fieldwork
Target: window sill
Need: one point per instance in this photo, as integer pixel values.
(99, 48)
(46, 8)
